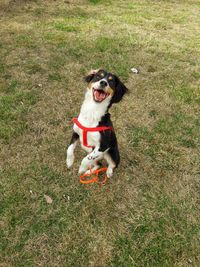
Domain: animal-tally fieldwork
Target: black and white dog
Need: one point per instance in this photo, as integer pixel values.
(93, 126)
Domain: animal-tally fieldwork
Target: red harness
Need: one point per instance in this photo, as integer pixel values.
(87, 129)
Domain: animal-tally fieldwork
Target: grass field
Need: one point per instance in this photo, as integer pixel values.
(148, 214)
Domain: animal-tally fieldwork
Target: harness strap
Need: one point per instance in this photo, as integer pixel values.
(90, 129)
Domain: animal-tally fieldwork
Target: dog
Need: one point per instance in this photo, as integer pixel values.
(93, 127)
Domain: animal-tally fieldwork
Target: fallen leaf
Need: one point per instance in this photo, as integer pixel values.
(48, 199)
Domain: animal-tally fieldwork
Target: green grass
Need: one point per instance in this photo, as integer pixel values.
(13, 110)
(65, 27)
(148, 213)
(167, 130)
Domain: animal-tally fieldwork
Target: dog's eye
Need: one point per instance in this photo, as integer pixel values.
(97, 76)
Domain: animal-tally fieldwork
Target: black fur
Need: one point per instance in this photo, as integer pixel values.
(74, 137)
(89, 77)
(120, 90)
(109, 140)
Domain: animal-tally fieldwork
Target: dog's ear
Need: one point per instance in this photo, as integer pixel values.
(90, 75)
(120, 90)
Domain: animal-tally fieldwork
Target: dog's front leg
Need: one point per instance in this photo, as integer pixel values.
(90, 160)
(70, 150)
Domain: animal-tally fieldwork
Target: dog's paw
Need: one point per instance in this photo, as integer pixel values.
(82, 169)
(69, 161)
(88, 172)
(109, 172)
(96, 167)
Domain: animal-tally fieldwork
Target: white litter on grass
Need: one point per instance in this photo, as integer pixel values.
(134, 70)
(66, 197)
(48, 199)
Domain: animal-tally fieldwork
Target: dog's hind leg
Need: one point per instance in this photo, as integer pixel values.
(70, 149)
(112, 158)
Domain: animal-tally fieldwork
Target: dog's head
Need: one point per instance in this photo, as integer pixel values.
(105, 85)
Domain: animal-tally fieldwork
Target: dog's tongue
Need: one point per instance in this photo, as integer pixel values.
(99, 95)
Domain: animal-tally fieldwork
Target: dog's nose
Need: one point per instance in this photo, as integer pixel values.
(103, 83)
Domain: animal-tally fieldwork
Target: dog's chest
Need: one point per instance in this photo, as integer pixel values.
(93, 138)
(90, 116)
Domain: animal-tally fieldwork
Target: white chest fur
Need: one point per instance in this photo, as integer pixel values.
(90, 115)
(93, 138)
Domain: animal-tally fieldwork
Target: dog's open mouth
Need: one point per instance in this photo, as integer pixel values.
(99, 95)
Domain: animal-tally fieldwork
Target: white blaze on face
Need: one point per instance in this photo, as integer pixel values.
(96, 85)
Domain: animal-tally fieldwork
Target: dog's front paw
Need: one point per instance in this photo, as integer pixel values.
(69, 161)
(109, 172)
(88, 172)
(96, 167)
(82, 169)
